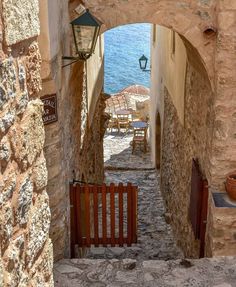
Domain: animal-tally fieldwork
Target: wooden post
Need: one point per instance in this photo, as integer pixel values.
(72, 220)
(104, 216)
(112, 212)
(78, 214)
(95, 214)
(129, 214)
(121, 217)
(87, 216)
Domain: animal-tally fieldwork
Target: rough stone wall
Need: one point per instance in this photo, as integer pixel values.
(85, 145)
(73, 150)
(179, 145)
(221, 236)
(223, 158)
(25, 248)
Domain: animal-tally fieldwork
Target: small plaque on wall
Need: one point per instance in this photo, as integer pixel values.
(50, 109)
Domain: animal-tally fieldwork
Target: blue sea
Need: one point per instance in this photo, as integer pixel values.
(124, 46)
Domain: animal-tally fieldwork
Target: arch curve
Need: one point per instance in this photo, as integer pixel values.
(188, 20)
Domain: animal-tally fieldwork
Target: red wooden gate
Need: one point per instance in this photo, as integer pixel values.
(198, 205)
(103, 215)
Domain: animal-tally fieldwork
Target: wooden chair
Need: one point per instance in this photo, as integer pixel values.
(113, 123)
(140, 139)
(123, 122)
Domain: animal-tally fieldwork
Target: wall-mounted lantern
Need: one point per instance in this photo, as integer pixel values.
(143, 63)
(86, 30)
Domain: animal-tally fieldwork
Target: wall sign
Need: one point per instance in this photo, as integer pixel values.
(50, 109)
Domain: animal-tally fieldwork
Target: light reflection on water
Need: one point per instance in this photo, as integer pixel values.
(124, 46)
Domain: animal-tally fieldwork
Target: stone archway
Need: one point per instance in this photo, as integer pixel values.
(189, 21)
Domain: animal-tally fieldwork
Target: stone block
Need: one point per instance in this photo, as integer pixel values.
(21, 20)
(5, 152)
(6, 219)
(33, 66)
(7, 185)
(41, 272)
(28, 138)
(40, 174)
(24, 200)
(14, 263)
(38, 228)
(7, 82)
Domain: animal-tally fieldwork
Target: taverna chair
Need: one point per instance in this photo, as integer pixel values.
(140, 139)
(113, 122)
(123, 122)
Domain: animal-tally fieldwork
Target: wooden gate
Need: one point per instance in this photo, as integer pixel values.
(103, 215)
(198, 205)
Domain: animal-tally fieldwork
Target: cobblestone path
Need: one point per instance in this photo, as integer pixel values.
(155, 238)
(135, 266)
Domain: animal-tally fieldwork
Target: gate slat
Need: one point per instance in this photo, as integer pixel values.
(134, 211)
(104, 215)
(129, 214)
(73, 226)
(121, 227)
(95, 214)
(112, 211)
(87, 215)
(78, 214)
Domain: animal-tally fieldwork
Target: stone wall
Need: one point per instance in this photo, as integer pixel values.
(73, 149)
(223, 158)
(221, 236)
(180, 144)
(25, 248)
(71, 141)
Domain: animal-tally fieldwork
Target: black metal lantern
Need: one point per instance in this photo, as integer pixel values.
(143, 62)
(86, 30)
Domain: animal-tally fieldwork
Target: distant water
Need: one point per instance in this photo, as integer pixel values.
(124, 46)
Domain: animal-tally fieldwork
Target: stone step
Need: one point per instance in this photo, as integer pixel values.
(215, 272)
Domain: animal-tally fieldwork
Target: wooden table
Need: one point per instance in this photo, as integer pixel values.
(139, 125)
(124, 112)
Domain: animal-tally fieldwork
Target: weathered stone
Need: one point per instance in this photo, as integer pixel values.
(38, 228)
(24, 201)
(206, 272)
(5, 150)
(40, 175)
(33, 65)
(14, 262)
(28, 139)
(126, 277)
(7, 185)
(22, 22)
(7, 120)
(7, 220)
(40, 273)
(7, 82)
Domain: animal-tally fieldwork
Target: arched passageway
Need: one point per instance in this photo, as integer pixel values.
(24, 171)
(190, 22)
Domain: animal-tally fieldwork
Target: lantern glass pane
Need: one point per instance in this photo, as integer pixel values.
(84, 38)
(143, 64)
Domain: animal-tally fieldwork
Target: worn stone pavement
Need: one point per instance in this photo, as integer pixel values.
(155, 260)
(155, 238)
(219, 272)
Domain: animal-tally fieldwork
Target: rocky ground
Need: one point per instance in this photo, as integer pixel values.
(155, 238)
(155, 260)
(220, 272)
